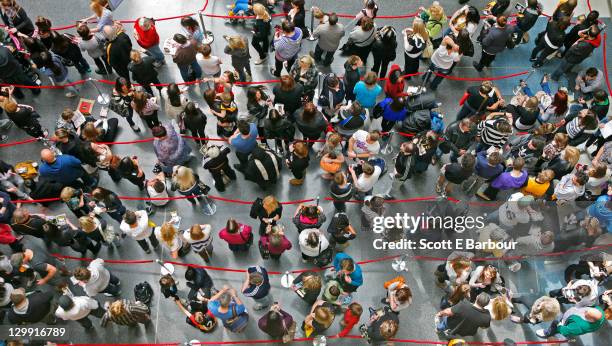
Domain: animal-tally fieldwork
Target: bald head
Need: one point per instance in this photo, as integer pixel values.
(47, 156)
(593, 315)
(110, 32)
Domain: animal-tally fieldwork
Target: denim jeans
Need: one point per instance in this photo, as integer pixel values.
(184, 69)
(156, 53)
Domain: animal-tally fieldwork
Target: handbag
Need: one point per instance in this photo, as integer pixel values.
(249, 241)
(263, 250)
(238, 322)
(256, 208)
(428, 51)
(289, 331)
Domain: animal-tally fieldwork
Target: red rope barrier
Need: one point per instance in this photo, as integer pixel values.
(478, 79)
(10, 144)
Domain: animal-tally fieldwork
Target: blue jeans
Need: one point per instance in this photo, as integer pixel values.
(437, 79)
(442, 324)
(545, 88)
(156, 53)
(184, 69)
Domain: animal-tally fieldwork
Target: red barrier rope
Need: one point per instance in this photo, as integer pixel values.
(10, 144)
(478, 79)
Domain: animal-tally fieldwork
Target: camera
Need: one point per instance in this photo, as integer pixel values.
(520, 7)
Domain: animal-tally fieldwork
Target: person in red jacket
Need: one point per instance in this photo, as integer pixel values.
(351, 318)
(147, 37)
(394, 86)
(7, 237)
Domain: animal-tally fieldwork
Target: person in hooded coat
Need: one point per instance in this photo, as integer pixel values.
(263, 167)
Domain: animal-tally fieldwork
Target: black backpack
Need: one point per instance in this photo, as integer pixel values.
(143, 292)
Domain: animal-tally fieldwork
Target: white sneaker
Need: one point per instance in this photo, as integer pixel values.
(541, 333)
(515, 267)
(184, 87)
(71, 94)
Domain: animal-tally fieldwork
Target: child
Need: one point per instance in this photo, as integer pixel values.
(351, 318)
(332, 292)
(211, 64)
(331, 156)
(298, 162)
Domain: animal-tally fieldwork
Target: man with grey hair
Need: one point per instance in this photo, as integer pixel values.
(146, 35)
(119, 47)
(465, 318)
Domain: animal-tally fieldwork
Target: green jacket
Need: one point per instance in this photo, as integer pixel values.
(576, 325)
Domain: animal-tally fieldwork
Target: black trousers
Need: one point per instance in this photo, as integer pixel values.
(146, 84)
(318, 55)
(145, 246)
(243, 158)
(381, 64)
(485, 59)
(278, 65)
(261, 46)
(217, 175)
(103, 65)
(151, 120)
(543, 49)
(20, 78)
(363, 53)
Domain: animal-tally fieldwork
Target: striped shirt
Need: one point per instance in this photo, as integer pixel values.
(490, 135)
(204, 243)
(288, 47)
(135, 312)
(573, 128)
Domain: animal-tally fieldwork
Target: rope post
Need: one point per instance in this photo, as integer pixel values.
(103, 99)
(387, 148)
(209, 37)
(311, 37)
(208, 206)
(166, 268)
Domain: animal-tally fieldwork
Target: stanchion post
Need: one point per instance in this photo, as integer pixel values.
(103, 99)
(209, 37)
(311, 37)
(388, 149)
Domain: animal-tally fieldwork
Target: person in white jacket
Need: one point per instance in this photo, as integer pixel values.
(571, 186)
(78, 309)
(580, 292)
(136, 224)
(312, 244)
(96, 279)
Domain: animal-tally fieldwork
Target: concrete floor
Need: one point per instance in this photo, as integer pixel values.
(168, 326)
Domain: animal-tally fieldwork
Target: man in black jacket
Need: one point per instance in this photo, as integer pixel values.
(11, 72)
(549, 41)
(31, 309)
(217, 163)
(118, 47)
(579, 51)
(458, 138)
(494, 42)
(143, 71)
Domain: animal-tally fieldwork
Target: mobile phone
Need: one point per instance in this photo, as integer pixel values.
(519, 7)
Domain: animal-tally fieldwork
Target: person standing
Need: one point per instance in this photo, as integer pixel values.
(126, 313)
(261, 32)
(146, 35)
(118, 50)
(95, 279)
(579, 51)
(238, 48)
(384, 50)
(78, 309)
(549, 41)
(244, 141)
(465, 318)
(32, 308)
(136, 224)
(185, 59)
(494, 42)
(287, 44)
(415, 40)
(328, 35)
(94, 45)
(143, 71)
(16, 19)
(146, 107)
(257, 286)
(362, 38)
(442, 61)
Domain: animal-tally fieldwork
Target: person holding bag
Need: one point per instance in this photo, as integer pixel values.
(278, 324)
(274, 243)
(226, 306)
(360, 39)
(239, 237)
(434, 19)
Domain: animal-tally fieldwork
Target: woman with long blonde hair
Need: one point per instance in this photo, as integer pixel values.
(268, 211)
(415, 41)
(172, 240)
(261, 32)
(434, 19)
(188, 183)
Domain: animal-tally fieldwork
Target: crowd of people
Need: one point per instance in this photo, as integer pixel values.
(523, 153)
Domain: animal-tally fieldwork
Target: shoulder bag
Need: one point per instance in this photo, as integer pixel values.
(238, 322)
